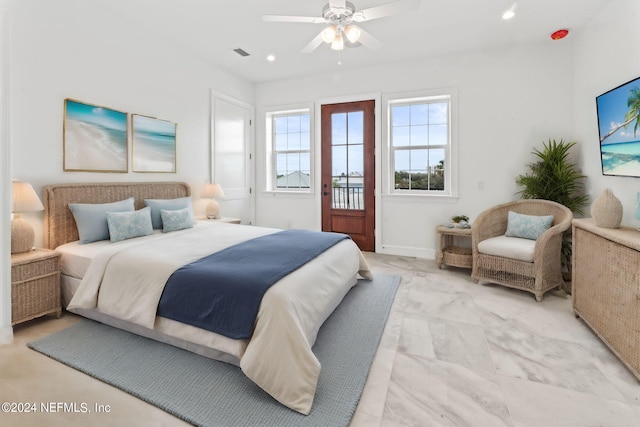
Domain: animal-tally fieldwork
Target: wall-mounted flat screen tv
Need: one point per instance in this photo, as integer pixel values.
(619, 127)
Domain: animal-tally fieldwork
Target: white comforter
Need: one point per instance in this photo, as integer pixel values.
(126, 281)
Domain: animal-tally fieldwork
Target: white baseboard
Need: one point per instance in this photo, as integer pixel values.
(407, 251)
(6, 335)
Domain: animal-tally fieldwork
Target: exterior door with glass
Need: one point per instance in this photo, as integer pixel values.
(348, 171)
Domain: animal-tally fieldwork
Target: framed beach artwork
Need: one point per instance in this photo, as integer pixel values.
(94, 138)
(154, 144)
(619, 127)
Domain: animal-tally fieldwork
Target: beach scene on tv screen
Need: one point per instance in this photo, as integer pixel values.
(619, 127)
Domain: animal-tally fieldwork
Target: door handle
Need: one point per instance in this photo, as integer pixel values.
(325, 193)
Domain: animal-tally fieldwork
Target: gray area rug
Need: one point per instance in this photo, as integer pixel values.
(206, 392)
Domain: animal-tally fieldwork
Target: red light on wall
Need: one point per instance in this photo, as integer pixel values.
(560, 34)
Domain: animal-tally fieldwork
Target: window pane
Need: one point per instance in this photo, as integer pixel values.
(356, 127)
(356, 160)
(400, 136)
(401, 160)
(293, 123)
(280, 124)
(304, 123)
(339, 160)
(438, 135)
(400, 115)
(419, 135)
(339, 128)
(281, 141)
(294, 141)
(418, 160)
(305, 141)
(419, 114)
(438, 113)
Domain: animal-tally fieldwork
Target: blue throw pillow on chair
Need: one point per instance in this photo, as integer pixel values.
(527, 226)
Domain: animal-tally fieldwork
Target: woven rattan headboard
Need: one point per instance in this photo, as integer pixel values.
(59, 225)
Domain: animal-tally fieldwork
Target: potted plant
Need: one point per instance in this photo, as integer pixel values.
(461, 220)
(554, 177)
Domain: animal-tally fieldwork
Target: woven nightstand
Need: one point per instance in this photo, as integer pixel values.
(35, 285)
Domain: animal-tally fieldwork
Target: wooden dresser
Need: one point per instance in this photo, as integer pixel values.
(606, 286)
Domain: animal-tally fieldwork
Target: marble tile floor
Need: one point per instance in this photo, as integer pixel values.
(454, 353)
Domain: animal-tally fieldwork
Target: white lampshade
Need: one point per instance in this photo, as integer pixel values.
(329, 33)
(23, 199)
(211, 191)
(352, 32)
(338, 42)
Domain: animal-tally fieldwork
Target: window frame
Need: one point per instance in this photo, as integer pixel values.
(450, 149)
(271, 153)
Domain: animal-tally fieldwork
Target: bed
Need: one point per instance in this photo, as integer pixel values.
(118, 284)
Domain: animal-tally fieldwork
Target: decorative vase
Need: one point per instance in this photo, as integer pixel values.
(606, 210)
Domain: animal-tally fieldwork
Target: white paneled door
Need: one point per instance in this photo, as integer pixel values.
(231, 162)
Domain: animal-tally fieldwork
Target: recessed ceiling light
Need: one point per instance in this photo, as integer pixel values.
(509, 13)
(271, 58)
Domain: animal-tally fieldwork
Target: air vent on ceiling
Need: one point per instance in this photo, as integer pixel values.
(241, 52)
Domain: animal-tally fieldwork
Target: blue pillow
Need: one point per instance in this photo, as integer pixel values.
(527, 226)
(176, 219)
(125, 225)
(167, 204)
(91, 219)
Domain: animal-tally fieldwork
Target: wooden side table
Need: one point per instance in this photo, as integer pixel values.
(450, 254)
(35, 285)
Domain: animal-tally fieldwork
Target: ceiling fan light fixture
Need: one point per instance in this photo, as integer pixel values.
(329, 34)
(338, 42)
(352, 32)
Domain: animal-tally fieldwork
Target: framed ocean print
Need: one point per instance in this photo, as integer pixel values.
(154, 144)
(619, 128)
(94, 138)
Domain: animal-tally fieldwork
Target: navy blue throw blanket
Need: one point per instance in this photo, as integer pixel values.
(222, 292)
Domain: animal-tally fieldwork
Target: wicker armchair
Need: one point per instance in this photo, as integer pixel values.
(537, 277)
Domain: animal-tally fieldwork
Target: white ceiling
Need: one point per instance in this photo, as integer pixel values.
(211, 29)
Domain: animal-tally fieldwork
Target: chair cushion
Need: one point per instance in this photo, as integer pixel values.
(509, 247)
(527, 226)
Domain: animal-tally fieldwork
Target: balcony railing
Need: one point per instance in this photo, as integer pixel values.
(348, 198)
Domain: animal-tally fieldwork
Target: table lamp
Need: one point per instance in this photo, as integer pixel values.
(24, 199)
(211, 191)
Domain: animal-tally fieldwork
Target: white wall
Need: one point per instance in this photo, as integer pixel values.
(78, 49)
(509, 101)
(6, 332)
(606, 56)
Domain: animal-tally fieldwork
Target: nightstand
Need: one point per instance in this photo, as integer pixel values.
(35, 285)
(450, 254)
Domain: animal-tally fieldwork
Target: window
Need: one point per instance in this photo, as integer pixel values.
(420, 141)
(289, 134)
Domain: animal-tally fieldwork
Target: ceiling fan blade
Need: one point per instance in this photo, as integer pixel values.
(366, 39)
(295, 19)
(389, 9)
(313, 44)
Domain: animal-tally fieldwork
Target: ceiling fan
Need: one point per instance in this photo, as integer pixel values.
(341, 17)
